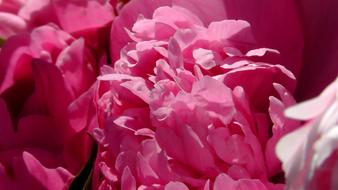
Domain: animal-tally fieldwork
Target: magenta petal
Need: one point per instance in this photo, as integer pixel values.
(10, 57)
(27, 172)
(49, 178)
(38, 131)
(50, 87)
(7, 135)
(76, 65)
(82, 112)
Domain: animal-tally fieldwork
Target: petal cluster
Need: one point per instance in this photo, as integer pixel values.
(168, 95)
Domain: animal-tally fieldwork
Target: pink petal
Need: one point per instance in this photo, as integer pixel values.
(314, 107)
(10, 25)
(76, 65)
(175, 186)
(7, 134)
(223, 182)
(202, 9)
(49, 178)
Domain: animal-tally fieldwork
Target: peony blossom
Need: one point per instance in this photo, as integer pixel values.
(309, 154)
(193, 101)
(45, 108)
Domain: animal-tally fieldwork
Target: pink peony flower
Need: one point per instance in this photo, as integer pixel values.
(45, 108)
(309, 154)
(194, 98)
(193, 101)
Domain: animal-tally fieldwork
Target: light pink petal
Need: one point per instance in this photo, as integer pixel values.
(175, 186)
(261, 52)
(232, 30)
(139, 88)
(127, 18)
(184, 18)
(223, 182)
(281, 124)
(207, 59)
(276, 109)
(174, 54)
(314, 107)
(213, 91)
(325, 147)
(10, 25)
(202, 9)
(290, 150)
